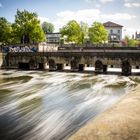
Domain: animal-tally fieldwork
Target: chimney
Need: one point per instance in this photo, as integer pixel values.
(132, 36)
(136, 35)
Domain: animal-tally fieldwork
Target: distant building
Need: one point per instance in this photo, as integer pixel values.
(114, 30)
(137, 36)
(53, 38)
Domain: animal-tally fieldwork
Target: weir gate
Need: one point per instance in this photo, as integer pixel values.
(77, 58)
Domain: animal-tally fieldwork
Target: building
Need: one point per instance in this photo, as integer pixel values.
(114, 30)
(137, 36)
(53, 38)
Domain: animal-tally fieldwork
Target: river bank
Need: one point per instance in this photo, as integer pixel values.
(120, 122)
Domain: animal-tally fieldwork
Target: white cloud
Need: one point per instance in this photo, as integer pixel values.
(97, 5)
(42, 19)
(88, 0)
(127, 5)
(132, 5)
(132, 1)
(106, 1)
(80, 15)
(101, 1)
(0, 5)
(89, 16)
(86, 15)
(118, 16)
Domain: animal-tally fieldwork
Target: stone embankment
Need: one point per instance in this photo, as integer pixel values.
(120, 122)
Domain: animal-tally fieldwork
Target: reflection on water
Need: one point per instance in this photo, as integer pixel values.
(37, 105)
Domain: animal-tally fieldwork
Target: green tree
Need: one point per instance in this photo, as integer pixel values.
(84, 34)
(5, 31)
(131, 42)
(26, 28)
(73, 32)
(47, 27)
(97, 33)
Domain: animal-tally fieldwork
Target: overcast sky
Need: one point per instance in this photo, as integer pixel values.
(59, 12)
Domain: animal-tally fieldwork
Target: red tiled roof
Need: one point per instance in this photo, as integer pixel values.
(111, 24)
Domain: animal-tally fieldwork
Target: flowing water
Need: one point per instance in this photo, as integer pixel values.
(39, 105)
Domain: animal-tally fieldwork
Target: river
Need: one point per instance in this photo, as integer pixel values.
(41, 105)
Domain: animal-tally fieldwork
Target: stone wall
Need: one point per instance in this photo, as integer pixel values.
(118, 58)
(110, 58)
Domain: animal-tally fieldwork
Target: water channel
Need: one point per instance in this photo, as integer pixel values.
(40, 105)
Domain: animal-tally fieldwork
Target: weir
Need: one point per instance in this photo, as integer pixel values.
(35, 103)
(99, 57)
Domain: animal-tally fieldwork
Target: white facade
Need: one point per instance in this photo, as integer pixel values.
(114, 31)
(53, 37)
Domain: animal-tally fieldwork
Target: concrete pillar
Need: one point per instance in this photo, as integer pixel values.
(46, 66)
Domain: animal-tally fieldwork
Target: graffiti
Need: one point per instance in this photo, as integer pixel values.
(7, 49)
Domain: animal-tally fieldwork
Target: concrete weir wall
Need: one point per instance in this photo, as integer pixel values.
(120, 122)
(1, 59)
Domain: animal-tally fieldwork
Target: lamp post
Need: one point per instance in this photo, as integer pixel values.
(86, 39)
(61, 41)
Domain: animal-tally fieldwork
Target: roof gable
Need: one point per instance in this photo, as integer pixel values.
(111, 24)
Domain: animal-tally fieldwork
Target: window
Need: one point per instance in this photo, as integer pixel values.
(118, 31)
(111, 31)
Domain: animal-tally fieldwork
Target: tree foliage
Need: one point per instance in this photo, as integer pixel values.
(5, 31)
(26, 28)
(84, 29)
(130, 42)
(97, 33)
(73, 32)
(47, 27)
